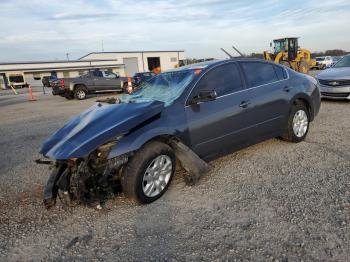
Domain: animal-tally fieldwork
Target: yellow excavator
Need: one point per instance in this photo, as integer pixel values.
(288, 53)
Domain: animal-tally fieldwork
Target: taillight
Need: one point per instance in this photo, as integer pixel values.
(62, 83)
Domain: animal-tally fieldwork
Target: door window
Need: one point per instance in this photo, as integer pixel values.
(107, 74)
(97, 73)
(280, 72)
(259, 73)
(224, 80)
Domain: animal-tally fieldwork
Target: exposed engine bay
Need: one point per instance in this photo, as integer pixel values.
(87, 180)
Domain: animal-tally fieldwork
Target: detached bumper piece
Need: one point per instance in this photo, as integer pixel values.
(191, 162)
(51, 189)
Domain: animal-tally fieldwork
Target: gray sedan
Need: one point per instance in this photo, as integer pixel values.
(335, 81)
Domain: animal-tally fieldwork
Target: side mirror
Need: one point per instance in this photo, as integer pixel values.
(116, 76)
(204, 96)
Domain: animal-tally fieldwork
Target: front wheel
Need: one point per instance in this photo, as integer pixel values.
(149, 172)
(298, 124)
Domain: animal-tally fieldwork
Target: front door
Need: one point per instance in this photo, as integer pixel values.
(219, 125)
(99, 81)
(112, 81)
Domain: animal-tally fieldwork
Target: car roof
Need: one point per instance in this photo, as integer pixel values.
(211, 63)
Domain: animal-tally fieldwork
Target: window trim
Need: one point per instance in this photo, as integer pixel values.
(244, 86)
(261, 62)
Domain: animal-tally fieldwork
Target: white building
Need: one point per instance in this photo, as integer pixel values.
(123, 63)
(136, 61)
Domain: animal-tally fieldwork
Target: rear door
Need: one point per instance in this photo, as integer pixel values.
(218, 125)
(270, 95)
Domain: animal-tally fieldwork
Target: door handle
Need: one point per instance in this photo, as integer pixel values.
(244, 104)
(287, 88)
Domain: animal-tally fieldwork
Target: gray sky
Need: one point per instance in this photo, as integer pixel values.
(44, 29)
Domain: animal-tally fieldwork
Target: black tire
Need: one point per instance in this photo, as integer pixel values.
(303, 67)
(80, 92)
(290, 134)
(132, 181)
(69, 96)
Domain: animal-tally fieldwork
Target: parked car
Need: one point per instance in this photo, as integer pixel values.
(323, 61)
(48, 80)
(193, 113)
(95, 81)
(335, 81)
(138, 79)
(335, 60)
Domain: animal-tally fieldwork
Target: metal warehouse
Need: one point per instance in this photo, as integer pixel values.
(124, 63)
(143, 61)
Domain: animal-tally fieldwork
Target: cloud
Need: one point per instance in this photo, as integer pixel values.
(199, 27)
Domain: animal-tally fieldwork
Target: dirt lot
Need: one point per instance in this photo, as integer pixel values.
(273, 201)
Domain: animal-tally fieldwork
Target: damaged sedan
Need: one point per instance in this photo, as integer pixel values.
(186, 116)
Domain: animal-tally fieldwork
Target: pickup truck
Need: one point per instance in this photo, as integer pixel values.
(96, 81)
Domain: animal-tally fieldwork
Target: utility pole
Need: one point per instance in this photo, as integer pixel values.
(67, 54)
(102, 46)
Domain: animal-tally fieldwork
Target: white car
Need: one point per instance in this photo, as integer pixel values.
(323, 61)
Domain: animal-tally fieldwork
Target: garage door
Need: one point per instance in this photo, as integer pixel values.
(131, 65)
(29, 78)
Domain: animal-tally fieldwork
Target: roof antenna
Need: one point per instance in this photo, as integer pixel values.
(237, 51)
(227, 53)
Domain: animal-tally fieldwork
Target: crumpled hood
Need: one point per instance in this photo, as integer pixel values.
(97, 125)
(340, 73)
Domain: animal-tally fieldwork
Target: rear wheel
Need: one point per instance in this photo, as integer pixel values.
(298, 124)
(149, 172)
(303, 67)
(80, 92)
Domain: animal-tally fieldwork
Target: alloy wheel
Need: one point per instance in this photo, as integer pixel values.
(300, 123)
(157, 176)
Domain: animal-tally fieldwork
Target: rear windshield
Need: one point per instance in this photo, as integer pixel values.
(165, 87)
(319, 59)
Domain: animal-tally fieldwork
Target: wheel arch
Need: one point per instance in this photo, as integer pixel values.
(303, 99)
(135, 141)
(75, 86)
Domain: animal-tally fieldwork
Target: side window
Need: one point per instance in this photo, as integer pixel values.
(280, 72)
(107, 74)
(259, 73)
(97, 73)
(224, 79)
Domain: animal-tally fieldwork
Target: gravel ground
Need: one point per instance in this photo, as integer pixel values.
(274, 201)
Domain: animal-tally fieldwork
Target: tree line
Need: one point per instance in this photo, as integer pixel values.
(332, 52)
